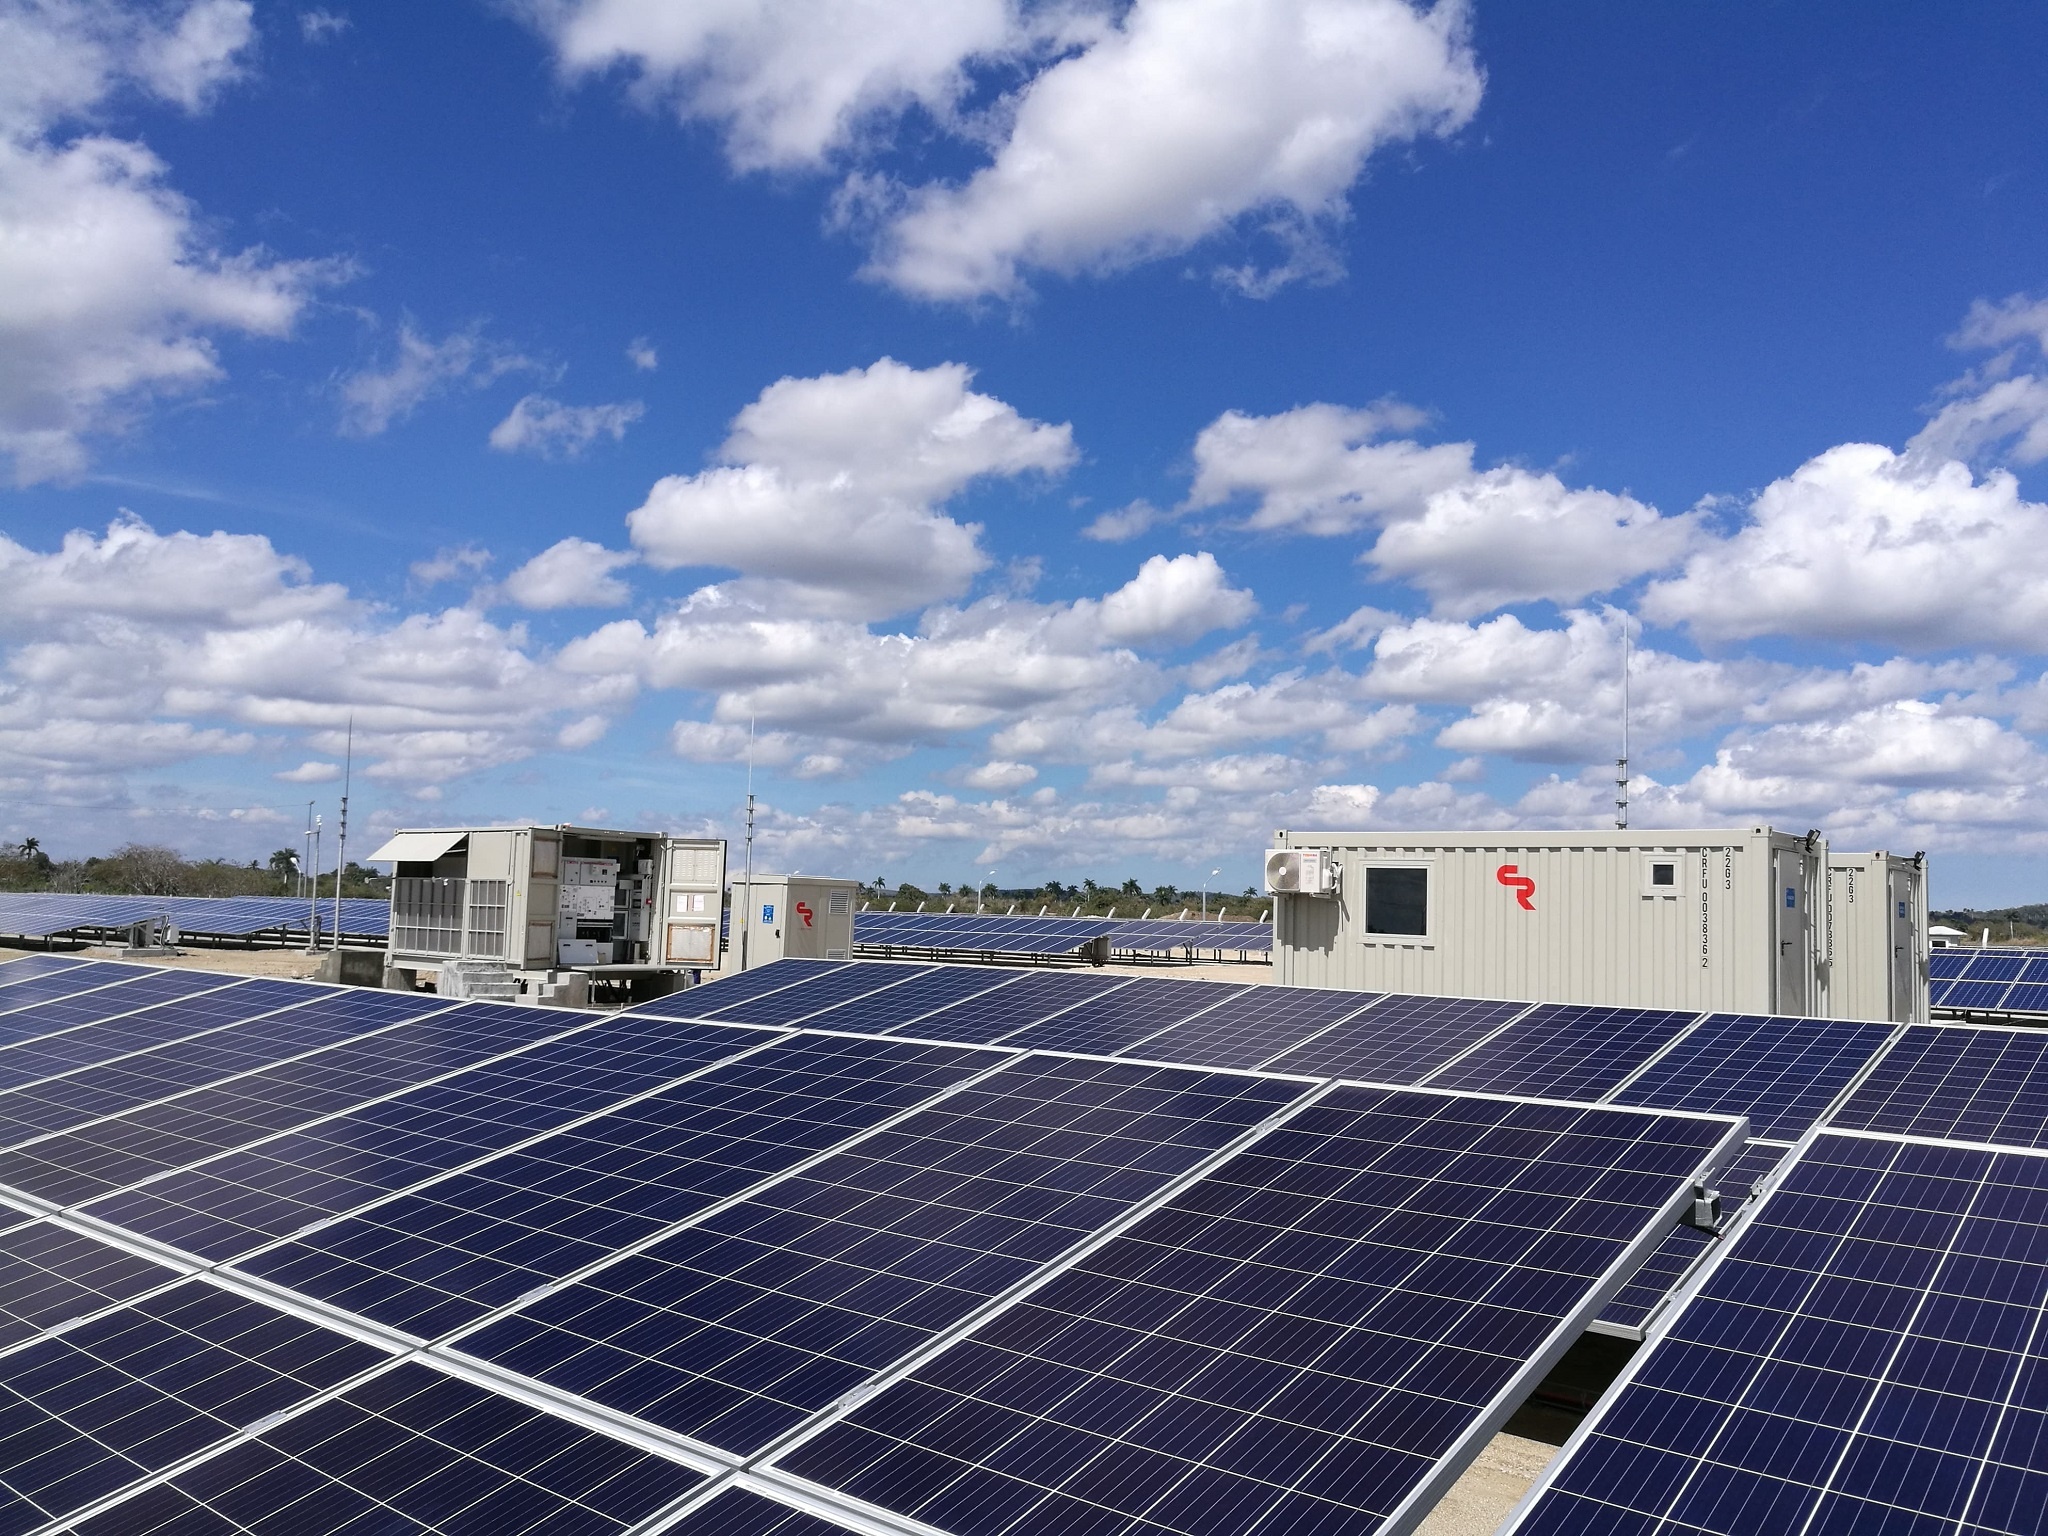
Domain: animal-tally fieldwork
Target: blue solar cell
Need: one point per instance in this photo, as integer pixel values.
(737, 1512)
(89, 1411)
(31, 1061)
(1252, 1027)
(901, 1006)
(740, 1327)
(2025, 997)
(55, 984)
(50, 1275)
(138, 1143)
(1399, 1039)
(819, 992)
(111, 1087)
(440, 1257)
(1864, 1356)
(1663, 1271)
(235, 1202)
(22, 967)
(63, 1013)
(1782, 1073)
(695, 1002)
(1983, 996)
(1989, 965)
(1962, 1084)
(410, 1450)
(1937, 994)
(1565, 1051)
(1947, 964)
(1124, 1018)
(1035, 996)
(2035, 970)
(1294, 1344)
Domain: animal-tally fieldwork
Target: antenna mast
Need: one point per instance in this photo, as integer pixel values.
(348, 764)
(747, 880)
(1621, 762)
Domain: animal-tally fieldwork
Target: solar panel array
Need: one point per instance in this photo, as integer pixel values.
(291, 1258)
(2003, 981)
(990, 933)
(42, 914)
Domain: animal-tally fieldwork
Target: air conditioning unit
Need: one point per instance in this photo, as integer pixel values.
(1300, 872)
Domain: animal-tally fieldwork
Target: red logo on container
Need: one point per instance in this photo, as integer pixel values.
(1524, 887)
(803, 910)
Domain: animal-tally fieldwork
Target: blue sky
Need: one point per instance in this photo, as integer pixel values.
(1081, 438)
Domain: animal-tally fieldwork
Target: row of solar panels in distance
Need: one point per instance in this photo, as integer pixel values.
(755, 1296)
(1988, 981)
(39, 914)
(972, 931)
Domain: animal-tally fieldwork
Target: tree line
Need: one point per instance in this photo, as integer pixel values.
(150, 869)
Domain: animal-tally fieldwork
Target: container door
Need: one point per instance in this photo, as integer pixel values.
(689, 885)
(543, 893)
(1901, 887)
(1794, 982)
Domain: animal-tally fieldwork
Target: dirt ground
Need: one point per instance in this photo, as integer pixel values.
(1481, 1499)
(292, 964)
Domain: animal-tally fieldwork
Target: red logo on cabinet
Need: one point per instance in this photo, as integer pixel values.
(1523, 887)
(803, 910)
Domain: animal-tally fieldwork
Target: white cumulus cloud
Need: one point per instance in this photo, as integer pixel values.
(573, 573)
(829, 489)
(374, 398)
(537, 424)
(1177, 120)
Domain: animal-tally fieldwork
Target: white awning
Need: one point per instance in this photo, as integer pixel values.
(416, 847)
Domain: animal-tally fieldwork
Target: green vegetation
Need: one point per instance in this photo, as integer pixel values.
(1093, 898)
(2008, 925)
(145, 869)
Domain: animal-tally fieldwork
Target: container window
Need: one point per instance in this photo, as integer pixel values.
(1396, 901)
(1663, 874)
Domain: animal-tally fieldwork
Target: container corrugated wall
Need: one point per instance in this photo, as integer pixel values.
(1877, 937)
(1594, 928)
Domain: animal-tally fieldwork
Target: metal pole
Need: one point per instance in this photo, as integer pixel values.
(341, 830)
(313, 894)
(1621, 763)
(747, 880)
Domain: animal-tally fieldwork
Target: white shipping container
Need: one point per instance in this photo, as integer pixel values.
(1718, 919)
(1877, 937)
(513, 894)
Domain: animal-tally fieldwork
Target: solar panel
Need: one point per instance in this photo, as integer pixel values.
(55, 984)
(117, 1152)
(129, 1393)
(1651, 1286)
(819, 992)
(1252, 1027)
(2035, 970)
(409, 1450)
(2025, 997)
(1865, 1356)
(1987, 1085)
(738, 1328)
(1990, 965)
(1119, 1019)
(1565, 1051)
(236, 1201)
(22, 967)
(992, 1015)
(50, 1275)
(108, 1088)
(445, 1254)
(901, 1006)
(1314, 1338)
(741, 1512)
(1974, 994)
(47, 1018)
(29, 1061)
(1947, 964)
(695, 1002)
(1783, 1073)
(1400, 1039)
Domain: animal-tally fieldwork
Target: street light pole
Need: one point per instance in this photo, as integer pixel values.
(1205, 894)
